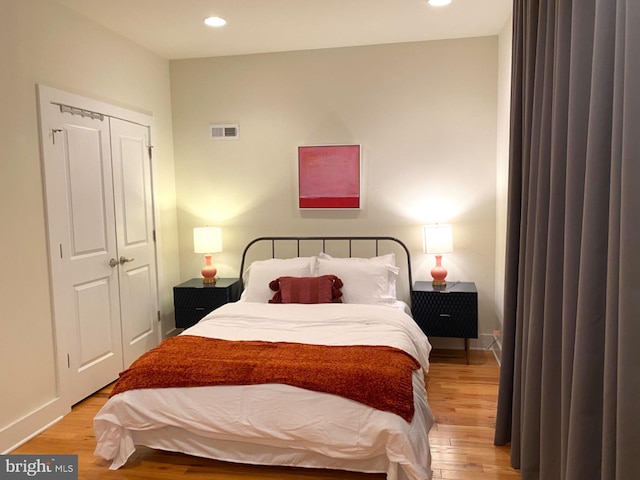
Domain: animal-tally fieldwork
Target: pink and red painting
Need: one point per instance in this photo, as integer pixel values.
(329, 176)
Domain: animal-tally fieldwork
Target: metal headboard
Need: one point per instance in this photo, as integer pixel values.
(324, 240)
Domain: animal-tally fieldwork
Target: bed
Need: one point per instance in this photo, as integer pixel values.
(336, 366)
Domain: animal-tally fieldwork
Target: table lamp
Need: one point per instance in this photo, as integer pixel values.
(207, 240)
(438, 239)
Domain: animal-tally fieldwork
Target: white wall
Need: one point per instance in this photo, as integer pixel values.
(502, 162)
(45, 43)
(425, 114)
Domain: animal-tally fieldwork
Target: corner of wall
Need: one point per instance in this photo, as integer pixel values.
(502, 168)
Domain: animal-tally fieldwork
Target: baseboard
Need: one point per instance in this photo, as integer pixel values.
(441, 343)
(31, 425)
(485, 341)
(492, 343)
(172, 333)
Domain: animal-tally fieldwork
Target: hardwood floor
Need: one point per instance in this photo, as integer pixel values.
(463, 400)
(462, 397)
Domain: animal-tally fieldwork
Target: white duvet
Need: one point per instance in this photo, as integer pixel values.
(278, 424)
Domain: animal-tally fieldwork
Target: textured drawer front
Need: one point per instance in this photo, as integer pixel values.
(196, 298)
(187, 317)
(192, 300)
(446, 314)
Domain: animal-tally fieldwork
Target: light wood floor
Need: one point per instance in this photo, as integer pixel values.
(462, 397)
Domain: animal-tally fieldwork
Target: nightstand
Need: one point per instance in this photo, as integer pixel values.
(192, 300)
(448, 312)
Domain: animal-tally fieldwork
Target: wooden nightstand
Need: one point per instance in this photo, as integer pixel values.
(192, 300)
(448, 312)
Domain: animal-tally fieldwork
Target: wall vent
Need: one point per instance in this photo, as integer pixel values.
(227, 131)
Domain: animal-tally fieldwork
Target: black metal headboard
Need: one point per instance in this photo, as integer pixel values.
(346, 246)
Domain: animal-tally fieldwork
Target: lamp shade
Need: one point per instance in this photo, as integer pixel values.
(207, 239)
(438, 239)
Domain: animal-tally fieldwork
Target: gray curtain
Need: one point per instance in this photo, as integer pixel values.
(569, 399)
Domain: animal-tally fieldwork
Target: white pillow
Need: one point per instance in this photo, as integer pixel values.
(364, 282)
(257, 277)
(388, 259)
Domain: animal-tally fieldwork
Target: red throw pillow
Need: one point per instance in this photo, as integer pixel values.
(308, 290)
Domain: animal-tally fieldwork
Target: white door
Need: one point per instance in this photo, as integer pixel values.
(134, 229)
(100, 226)
(82, 239)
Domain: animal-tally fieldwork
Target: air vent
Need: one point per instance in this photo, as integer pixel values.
(229, 131)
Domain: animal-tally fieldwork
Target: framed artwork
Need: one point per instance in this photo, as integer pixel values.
(329, 177)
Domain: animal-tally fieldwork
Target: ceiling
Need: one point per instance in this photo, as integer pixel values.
(174, 29)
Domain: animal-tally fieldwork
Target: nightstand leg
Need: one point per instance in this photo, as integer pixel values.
(466, 348)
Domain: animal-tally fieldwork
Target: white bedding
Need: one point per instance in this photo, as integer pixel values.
(279, 424)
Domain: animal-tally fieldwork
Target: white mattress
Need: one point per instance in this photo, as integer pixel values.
(278, 424)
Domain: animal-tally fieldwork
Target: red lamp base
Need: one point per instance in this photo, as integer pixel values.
(208, 271)
(439, 273)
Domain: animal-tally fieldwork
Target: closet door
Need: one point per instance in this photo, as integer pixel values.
(101, 240)
(82, 241)
(134, 228)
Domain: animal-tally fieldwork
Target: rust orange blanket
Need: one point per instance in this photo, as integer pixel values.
(377, 376)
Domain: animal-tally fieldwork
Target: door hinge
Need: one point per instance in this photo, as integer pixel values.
(154, 235)
(150, 150)
(68, 361)
(159, 316)
(61, 251)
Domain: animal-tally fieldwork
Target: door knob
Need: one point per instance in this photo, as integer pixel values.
(113, 262)
(124, 260)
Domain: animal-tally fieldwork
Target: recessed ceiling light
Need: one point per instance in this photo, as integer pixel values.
(439, 3)
(215, 21)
